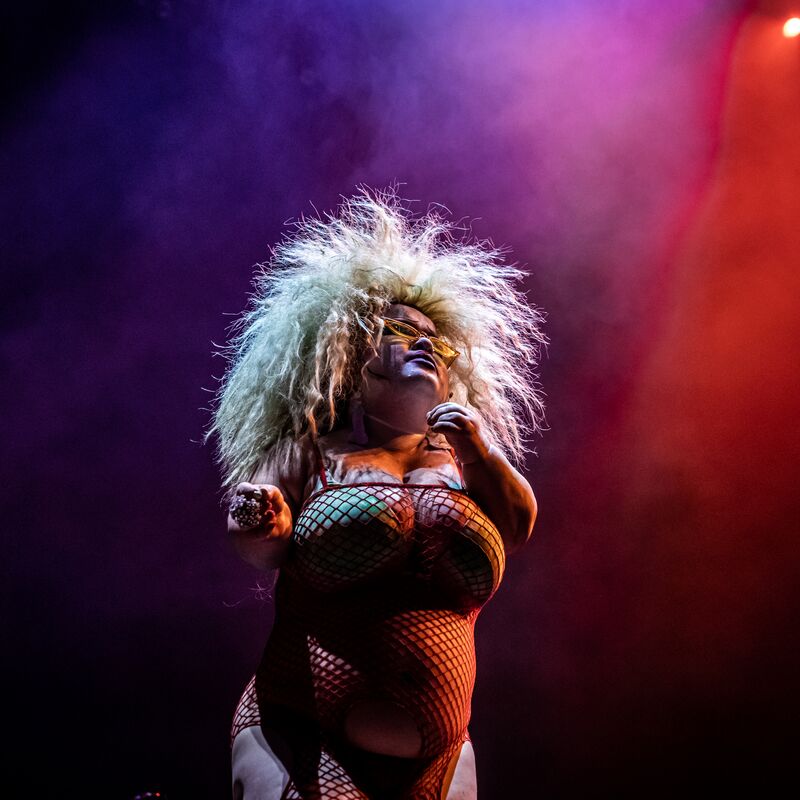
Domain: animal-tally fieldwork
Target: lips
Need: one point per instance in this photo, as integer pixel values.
(423, 357)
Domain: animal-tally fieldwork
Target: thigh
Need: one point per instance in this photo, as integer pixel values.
(258, 774)
(463, 784)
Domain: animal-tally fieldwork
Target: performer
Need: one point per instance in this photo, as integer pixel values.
(379, 384)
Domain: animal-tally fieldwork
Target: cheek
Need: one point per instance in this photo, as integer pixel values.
(389, 361)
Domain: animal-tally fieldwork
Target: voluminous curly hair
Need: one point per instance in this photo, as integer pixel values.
(296, 354)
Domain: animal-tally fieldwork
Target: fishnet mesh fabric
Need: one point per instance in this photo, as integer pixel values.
(377, 602)
(247, 713)
(349, 534)
(329, 779)
(332, 781)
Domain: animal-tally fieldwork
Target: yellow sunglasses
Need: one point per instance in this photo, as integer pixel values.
(440, 347)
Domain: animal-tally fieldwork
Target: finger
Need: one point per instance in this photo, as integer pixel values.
(444, 408)
(265, 525)
(458, 418)
(446, 427)
(447, 405)
(244, 516)
(273, 496)
(460, 414)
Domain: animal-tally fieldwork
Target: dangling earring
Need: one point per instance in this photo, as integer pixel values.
(359, 432)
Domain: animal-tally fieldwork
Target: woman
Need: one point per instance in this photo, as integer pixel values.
(363, 426)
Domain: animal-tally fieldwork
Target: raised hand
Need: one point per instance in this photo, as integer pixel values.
(462, 429)
(273, 517)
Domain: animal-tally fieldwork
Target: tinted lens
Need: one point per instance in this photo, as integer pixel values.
(405, 330)
(442, 349)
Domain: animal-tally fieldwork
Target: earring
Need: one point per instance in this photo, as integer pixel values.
(359, 432)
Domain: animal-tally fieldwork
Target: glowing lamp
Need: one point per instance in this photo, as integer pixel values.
(791, 27)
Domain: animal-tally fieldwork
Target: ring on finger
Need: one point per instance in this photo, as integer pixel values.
(248, 511)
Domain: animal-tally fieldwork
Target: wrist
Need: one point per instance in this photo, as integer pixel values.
(476, 454)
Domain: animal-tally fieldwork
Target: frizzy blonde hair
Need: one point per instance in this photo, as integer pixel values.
(296, 354)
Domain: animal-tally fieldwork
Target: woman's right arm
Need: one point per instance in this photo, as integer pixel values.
(281, 477)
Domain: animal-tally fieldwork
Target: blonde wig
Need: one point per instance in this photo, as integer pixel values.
(296, 354)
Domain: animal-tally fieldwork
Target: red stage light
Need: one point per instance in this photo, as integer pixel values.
(791, 27)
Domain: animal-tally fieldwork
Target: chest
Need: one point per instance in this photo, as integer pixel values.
(341, 464)
(435, 539)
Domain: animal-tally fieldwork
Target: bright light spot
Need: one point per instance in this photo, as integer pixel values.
(791, 27)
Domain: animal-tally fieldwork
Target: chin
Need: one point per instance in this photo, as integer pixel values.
(418, 378)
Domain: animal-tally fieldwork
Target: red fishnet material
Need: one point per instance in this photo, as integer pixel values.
(247, 713)
(377, 602)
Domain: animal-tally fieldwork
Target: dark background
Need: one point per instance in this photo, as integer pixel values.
(641, 158)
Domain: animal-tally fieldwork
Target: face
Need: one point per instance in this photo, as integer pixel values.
(404, 363)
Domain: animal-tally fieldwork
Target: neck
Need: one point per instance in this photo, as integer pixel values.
(388, 434)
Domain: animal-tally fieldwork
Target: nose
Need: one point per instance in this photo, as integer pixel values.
(423, 343)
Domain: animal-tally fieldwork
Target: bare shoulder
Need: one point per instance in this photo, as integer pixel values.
(338, 441)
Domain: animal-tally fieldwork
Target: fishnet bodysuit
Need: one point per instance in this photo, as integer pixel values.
(377, 602)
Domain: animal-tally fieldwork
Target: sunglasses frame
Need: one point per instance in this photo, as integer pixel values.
(441, 348)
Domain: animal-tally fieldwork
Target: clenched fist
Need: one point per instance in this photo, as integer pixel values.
(275, 518)
(462, 429)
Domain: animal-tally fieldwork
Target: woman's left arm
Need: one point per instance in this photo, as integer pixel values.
(499, 489)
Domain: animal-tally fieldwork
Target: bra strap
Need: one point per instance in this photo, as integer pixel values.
(460, 471)
(320, 463)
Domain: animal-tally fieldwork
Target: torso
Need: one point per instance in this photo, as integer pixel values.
(389, 660)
